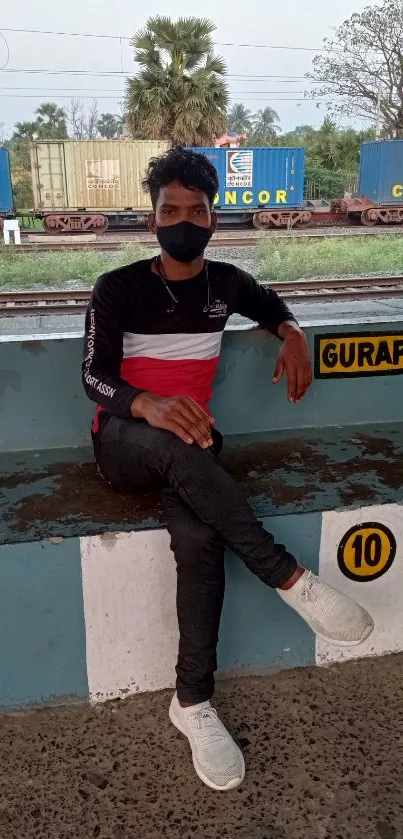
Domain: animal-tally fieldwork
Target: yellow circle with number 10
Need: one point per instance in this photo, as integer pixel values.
(366, 551)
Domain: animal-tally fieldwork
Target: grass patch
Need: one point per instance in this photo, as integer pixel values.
(30, 223)
(61, 269)
(285, 260)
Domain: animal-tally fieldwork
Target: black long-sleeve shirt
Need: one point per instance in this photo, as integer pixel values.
(142, 334)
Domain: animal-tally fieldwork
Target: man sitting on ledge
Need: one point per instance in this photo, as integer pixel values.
(153, 337)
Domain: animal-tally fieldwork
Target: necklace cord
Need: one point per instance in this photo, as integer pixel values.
(164, 279)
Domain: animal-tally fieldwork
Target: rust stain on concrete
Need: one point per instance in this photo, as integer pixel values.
(34, 347)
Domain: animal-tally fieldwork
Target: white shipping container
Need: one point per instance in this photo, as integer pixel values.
(96, 175)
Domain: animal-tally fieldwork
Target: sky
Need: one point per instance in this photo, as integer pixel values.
(296, 23)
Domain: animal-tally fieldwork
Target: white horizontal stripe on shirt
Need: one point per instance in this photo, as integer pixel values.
(176, 347)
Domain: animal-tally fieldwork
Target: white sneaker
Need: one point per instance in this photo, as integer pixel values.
(331, 615)
(217, 759)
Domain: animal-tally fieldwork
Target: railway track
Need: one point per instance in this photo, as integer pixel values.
(20, 303)
(117, 242)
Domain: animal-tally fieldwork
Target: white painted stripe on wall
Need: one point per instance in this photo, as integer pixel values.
(383, 597)
(186, 345)
(129, 586)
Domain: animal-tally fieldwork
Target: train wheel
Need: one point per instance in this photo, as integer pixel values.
(50, 224)
(260, 222)
(99, 224)
(367, 220)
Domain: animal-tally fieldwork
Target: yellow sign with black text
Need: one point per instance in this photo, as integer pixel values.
(363, 354)
(366, 551)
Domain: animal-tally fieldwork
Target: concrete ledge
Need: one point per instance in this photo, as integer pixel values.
(59, 492)
(87, 592)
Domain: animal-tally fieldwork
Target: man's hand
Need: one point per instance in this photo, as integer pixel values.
(179, 414)
(293, 359)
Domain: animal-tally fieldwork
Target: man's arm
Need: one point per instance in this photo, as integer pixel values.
(264, 306)
(261, 304)
(103, 350)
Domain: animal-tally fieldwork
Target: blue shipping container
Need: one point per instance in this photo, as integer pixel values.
(6, 193)
(252, 178)
(381, 171)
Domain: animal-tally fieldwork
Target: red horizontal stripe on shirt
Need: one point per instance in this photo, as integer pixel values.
(186, 377)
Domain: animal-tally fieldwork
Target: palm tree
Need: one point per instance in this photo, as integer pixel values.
(51, 122)
(347, 150)
(239, 119)
(25, 130)
(265, 127)
(323, 149)
(179, 94)
(110, 126)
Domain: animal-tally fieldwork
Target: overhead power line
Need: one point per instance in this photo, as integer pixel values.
(126, 73)
(68, 34)
(68, 72)
(128, 38)
(60, 96)
(67, 96)
(258, 99)
(121, 92)
(269, 47)
(72, 89)
(242, 76)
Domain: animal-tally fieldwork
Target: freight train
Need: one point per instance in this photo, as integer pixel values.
(90, 185)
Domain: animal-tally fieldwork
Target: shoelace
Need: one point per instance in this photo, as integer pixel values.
(322, 600)
(208, 727)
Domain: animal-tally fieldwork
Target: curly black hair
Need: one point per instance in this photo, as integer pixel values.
(192, 170)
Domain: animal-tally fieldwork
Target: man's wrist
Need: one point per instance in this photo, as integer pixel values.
(288, 327)
(139, 404)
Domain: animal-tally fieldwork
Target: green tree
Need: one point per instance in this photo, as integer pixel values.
(20, 163)
(322, 144)
(26, 130)
(361, 68)
(110, 126)
(302, 134)
(51, 122)
(336, 149)
(179, 93)
(265, 127)
(240, 119)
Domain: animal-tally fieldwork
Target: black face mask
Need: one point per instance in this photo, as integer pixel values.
(184, 241)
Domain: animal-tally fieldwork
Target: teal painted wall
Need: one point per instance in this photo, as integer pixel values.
(258, 631)
(245, 400)
(42, 631)
(42, 404)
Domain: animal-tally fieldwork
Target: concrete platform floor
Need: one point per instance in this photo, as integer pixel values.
(324, 751)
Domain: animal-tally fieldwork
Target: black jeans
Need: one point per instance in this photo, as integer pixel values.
(205, 510)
